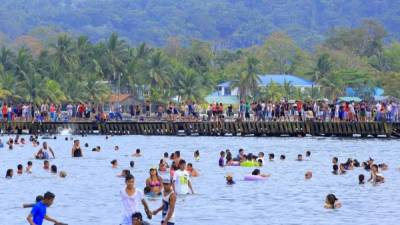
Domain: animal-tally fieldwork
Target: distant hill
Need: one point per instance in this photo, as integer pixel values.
(228, 23)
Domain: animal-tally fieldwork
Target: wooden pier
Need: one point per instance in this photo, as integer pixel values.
(242, 128)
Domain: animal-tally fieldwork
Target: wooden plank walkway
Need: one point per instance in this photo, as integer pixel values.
(244, 128)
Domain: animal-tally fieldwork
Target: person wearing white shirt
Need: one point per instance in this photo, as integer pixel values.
(181, 180)
(131, 198)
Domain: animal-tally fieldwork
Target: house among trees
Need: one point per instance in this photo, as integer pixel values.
(125, 100)
(228, 92)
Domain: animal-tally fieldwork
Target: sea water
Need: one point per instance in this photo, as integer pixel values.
(90, 192)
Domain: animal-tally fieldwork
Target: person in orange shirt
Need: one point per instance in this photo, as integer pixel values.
(4, 111)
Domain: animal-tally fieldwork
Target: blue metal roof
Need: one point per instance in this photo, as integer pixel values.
(280, 79)
(225, 84)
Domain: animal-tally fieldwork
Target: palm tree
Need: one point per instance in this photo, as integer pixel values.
(96, 90)
(64, 53)
(115, 51)
(24, 63)
(8, 85)
(7, 59)
(158, 71)
(188, 85)
(248, 79)
(320, 71)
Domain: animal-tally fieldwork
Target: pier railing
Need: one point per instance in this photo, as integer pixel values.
(243, 128)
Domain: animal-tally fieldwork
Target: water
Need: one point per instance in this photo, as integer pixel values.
(90, 193)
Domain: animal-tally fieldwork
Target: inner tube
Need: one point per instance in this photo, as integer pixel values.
(254, 177)
(234, 163)
(249, 164)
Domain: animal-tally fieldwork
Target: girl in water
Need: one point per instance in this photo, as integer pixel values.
(154, 182)
(162, 166)
(376, 177)
(76, 149)
(331, 202)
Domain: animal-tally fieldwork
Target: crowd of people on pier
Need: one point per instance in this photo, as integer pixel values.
(172, 178)
(191, 111)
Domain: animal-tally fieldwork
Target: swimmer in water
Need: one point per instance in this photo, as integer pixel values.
(20, 169)
(23, 141)
(162, 166)
(331, 202)
(308, 175)
(283, 157)
(196, 155)
(308, 154)
(257, 172)
(63, 174)
(168, 204)
(299, 157)
(44, 152)
(46, 165)
(1, 144)
(137, 219)
(335, 169)
(361, 179)
(271, 157)
(335, 160)
(29, 167)
(137, 153)
(221, 159)
(38, 213)
(116, 148)
(124, 173)
(76, 149)
(10, 143)
(341, 169)
(261, 157)
(229, 179)
(132, 164)
(192, 172)
(376, 177)
(383, 166)
(154, 182)
(97, 149)
(86, 145)
(53, 169)
(114, 163)
(9, 173)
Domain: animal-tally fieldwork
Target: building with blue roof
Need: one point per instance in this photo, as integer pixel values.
(225, 94)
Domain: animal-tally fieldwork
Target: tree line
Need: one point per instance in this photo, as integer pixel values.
(71, 68)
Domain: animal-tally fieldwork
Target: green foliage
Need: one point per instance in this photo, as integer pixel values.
(73, 69)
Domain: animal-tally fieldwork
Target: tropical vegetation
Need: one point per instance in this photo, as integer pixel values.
(70, 68)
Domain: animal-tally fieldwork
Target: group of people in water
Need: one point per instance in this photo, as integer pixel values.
(258, 160)
(173, 178)
(43, 154)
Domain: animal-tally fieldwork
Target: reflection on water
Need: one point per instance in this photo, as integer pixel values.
(90, 193)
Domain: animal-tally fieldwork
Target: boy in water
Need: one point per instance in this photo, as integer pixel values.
(38, 213)
(168, 206)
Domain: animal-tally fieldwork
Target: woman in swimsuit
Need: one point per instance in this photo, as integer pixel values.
(154, 182)
(76, 149)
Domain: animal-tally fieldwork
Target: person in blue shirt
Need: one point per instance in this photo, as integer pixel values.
(38, 213)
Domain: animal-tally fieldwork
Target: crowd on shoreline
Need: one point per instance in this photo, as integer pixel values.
(190, 111)
(172, 178)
